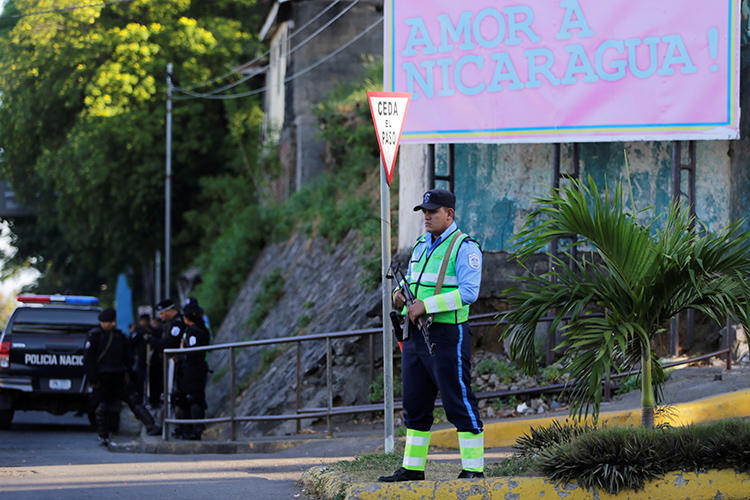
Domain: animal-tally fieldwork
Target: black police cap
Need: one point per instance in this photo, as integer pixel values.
(436, 198)
(164, 305)
(107, 315)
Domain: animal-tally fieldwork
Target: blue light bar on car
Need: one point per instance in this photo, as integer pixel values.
(74, 300)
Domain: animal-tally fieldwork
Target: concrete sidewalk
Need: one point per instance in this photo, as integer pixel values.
(684, 385)
(695, 394)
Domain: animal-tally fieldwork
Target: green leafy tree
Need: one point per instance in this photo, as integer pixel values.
(637, 277)
(82, 127)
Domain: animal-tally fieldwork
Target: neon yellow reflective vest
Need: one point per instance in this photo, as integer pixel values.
(447, 306)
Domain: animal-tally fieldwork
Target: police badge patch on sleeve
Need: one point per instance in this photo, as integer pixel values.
(88, 344)
(474, 260)
(175, 331)
(192, 341)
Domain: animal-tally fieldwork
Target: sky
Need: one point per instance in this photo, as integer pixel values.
(13, 285)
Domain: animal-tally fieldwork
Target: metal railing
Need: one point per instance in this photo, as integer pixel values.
(329, 410)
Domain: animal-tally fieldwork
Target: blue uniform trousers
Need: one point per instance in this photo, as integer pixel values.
(448, 371)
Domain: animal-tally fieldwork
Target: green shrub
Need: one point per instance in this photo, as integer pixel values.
(376, 388)
(271, 291)
(438, 416)
(551, 373)
(629, 384)
(618, 458)
(501, 368)
(336, 202)
(540, 438)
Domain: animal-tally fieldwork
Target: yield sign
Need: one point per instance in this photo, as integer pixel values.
(388, 114)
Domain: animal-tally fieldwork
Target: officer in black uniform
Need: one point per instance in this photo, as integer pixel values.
(155, 373)
(190, 397)
(139, 351)
(171, 336)
(106, 362)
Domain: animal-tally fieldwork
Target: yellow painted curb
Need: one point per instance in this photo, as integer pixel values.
(724, 484)
(500, 434)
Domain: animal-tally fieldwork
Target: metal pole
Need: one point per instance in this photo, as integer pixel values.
(157, 279)
(329, 386)
(299, 383)
(549, 347)
(676, 190)
(168, 188)
(232, 395)
(385, 230)
(164, 403)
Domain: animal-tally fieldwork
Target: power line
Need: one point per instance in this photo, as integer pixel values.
(330, 22)
(62, 9)
(264, 54)
(194, 95)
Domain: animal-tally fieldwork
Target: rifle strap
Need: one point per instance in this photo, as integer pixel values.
(106, 347)
(444, 264)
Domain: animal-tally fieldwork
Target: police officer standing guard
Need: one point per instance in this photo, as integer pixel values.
(171, 336)
(190, 398)
(444, 255)
(106, 361)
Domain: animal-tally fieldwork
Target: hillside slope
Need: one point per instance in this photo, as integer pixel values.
(319, 291)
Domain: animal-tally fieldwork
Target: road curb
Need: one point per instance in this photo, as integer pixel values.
(158, 447)
(502, 434)
(724, 484)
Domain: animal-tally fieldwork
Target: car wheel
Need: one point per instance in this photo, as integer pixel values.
(6, 417)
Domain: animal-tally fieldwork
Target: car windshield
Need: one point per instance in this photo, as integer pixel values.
(48, 320)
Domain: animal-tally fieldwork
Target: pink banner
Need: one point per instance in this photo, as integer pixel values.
(564, 71)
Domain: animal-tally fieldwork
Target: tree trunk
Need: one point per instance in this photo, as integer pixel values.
(647, 389)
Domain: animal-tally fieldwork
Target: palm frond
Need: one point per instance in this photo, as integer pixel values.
(637, 275)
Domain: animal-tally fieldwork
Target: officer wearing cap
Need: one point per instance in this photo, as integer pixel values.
(106, 360)
(172, 331)
(447, 258)
(192, 301)
(190, 398)
(174, 327)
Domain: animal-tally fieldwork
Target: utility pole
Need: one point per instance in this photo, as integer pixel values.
(168, 188)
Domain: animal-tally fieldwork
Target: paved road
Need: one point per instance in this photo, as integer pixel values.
(43, 456)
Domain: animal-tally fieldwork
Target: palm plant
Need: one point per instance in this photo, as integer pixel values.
(636, 276)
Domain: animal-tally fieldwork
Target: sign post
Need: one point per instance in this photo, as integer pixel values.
(388, 113)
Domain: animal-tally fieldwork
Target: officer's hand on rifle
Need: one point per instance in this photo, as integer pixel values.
(399, 300)
(416, 309)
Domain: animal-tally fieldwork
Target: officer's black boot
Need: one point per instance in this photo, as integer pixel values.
(100, 417)
(403, 475)
(144, 416)
(470, 474)
(196, 412)
(181, 431)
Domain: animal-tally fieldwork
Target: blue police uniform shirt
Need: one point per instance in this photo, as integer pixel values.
(468, 263)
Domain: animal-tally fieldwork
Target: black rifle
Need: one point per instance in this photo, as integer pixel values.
(422, 323)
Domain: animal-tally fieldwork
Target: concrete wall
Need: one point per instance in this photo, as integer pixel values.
(496, 185)
(309, 90)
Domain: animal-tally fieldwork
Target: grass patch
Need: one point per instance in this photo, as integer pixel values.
(369, 461)
(271, 291)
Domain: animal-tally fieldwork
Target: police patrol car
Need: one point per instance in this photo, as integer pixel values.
(41, 355)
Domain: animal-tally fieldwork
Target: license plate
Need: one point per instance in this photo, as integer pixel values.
(60, 384)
